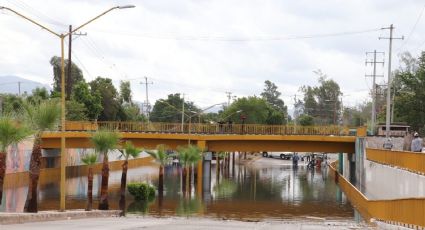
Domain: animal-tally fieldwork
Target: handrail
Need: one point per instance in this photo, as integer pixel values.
(203, 128)
(405, 212)
(411, 161)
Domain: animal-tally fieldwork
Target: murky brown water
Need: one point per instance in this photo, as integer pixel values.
(264, 190)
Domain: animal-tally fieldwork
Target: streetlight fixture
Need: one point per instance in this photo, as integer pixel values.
(63, 109)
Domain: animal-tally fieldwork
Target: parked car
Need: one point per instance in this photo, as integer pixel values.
(281, 155)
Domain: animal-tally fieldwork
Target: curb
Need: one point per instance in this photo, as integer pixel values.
(20, 218)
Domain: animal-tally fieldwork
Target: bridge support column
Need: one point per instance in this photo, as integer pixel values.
(203, 146)
(340, 163)
(359, 159)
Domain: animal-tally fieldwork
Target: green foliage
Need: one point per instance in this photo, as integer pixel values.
(306, 120)
(11, 103)
(139, 207)
(75, 111)
(189, 155)
(104, 141)
(89, 159)
(225, 188)
(132, 113)
(130, 151)
(410, 94)
(256, 110)
(170, 109)
(43, 116)
(109, 98)
(91, 99)
(38, 95)
(125, 92)
(322, 102)
(76, 75)
(11, 132)
(271, 95)
(141, 191)
(188, 207)
(160, 154)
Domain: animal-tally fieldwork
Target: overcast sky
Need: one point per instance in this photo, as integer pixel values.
(205, 48)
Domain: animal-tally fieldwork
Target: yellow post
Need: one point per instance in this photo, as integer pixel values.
(63, 146)
(202, 146)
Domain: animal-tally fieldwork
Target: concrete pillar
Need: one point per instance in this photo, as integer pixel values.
(340, 164)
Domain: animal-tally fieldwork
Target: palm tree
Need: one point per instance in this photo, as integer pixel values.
(187, 156)
(41, 117)
(104, 141)
(89, 160)
(129, 151)
(161, 157)
(11, 132)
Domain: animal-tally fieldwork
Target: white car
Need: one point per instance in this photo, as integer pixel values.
(281, 155)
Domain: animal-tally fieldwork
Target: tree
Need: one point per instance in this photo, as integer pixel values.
(91, 99)
(38, 95)
(104, 141)
(109, 98)
(11, 103)
(11, 132)
(129, 151)
(76, 75)
(169, 110)
(410, 98)
(41, 117)
(271, 95)
(322, 102)
(161, 157)
(75, 111)
(306, 120)
(187, 156)
(89, 160)
(125, 92)
(255, 109)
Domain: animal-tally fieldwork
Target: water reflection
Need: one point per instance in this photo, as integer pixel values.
(241, 192)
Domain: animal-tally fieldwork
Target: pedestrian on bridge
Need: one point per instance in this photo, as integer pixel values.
(416, 143)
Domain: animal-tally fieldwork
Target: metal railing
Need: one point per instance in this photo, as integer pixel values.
(408, 212)
(411, 161)
(203, 128)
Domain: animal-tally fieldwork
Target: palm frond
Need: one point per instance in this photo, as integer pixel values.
(130, 150)
(43, 116)
(104, 141)
(11, 131)
(159, 154)
(89, 159)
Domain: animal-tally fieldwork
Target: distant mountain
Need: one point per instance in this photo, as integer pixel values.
(12, 84)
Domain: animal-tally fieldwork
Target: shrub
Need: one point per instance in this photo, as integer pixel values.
(141, 191)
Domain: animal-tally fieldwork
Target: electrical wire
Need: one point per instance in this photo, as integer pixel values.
(412, 30)
(240, 39)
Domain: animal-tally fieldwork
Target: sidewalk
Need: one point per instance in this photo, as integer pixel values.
(19, 218)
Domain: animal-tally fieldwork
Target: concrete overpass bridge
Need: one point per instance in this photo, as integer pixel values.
(215, 137)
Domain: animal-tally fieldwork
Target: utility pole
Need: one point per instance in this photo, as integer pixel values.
(19, 88)
(388, 112)
(374, 62)
(146, 83)
(69, 78)
(182, 114)
(229, 96)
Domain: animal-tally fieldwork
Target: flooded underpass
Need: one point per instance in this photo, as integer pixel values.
(264, 189)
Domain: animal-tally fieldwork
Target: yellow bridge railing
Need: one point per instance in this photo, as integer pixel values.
(411, 161)
(203, 128)
(408, 212)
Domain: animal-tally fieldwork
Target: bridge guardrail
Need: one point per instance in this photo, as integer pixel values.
(404, 212)
(203, 128)
(411, 161)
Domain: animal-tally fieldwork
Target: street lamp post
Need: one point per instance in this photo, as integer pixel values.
(63, 109)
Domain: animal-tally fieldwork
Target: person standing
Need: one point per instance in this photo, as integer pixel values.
(416, 145)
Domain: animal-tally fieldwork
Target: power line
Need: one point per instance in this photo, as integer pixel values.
(240, 39)
(146, 83)
(412, 30)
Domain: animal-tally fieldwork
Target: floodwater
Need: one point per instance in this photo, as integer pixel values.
(266, 189)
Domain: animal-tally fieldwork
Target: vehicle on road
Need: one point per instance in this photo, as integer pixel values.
(281, 155)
